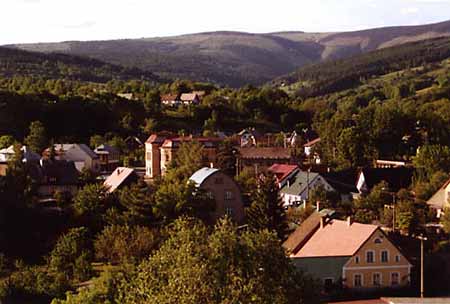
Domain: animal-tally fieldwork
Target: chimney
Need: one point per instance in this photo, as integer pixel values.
(349, 221)
(211, 165)
(322, 222)
(318, 206)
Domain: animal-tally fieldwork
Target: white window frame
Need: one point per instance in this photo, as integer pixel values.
(373, 257)
(397, 258)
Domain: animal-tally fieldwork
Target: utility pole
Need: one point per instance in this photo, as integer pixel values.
(421, 238)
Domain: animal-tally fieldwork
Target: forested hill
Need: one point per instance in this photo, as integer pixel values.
(235, 58)
(14, 62)
(337, 75)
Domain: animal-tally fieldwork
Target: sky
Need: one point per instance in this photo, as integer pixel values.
(29, 21)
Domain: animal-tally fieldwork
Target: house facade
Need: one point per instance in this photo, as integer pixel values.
(353, 255)
(224, 190)
(160, 149)
(109, 157)
(80, 154)
(297, 188)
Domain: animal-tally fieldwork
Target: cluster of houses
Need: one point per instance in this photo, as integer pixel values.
(191, 98)
(337, 252)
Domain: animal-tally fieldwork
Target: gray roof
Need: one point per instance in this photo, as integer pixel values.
(298, 183)
(201, 175)
(106, 148)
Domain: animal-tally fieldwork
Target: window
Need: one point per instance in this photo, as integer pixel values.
(377, 241)
(370, 257)
(376, 279)
(357, 280)
(397, 258)
(328, 284)
(384, 256)
(229, 211)
(357, 260)
(228, 195)
(395, 278)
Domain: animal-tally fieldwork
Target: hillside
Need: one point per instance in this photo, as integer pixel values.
(14, 62)
(336, 75)
(235, 58)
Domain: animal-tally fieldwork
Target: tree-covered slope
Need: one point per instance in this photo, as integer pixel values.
(14, 62)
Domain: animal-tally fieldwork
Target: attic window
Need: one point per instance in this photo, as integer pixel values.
(377, 241)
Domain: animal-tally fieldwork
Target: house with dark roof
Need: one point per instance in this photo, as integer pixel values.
(358, 256)
(224, 190)
(82, 156)
(52, 175)
(396, 178)
(121, 177)
(109, 157)
(297, 188)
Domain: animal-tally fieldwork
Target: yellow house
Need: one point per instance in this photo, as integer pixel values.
(358, 255)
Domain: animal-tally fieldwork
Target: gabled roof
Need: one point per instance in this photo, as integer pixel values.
(437, 201)
(299, 183)
(105, 149)
(201, 175)
(65, 148)
(188, 97)
(282, 171)
(396, 178)
(28, 155)
(265, 153)
(302, 233)
(170, 97)
(116, 179)
(343, 181)
(336, 238)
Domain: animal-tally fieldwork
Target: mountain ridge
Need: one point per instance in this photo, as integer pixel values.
(238, 58)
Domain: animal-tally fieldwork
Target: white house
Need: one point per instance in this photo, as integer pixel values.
(82, 156)
(296, 189)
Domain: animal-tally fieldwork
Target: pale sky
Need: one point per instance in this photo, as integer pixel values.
(24, 21)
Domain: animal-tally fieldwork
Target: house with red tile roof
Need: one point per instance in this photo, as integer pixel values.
(283, 172)
(359, 256)
(261, 158)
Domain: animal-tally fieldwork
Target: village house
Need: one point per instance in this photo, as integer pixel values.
(248, 138)
(441, 199)
(297, 188)
(283, 172)
(224, 190)
(52, 176)
(358, 256)
(7, 155)
(170, 99)
(82, 156)
(160, 149)
(121, 177)
(189, 99)
(109, 157)
(260, 159)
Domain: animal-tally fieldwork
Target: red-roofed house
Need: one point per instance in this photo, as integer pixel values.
(359, 255)
(283, 172)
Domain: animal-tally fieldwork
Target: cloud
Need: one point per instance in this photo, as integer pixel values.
(86, 24)
(409, 11)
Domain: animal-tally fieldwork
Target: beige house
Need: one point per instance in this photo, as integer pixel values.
(224, 190)
(360, 256)
(440, 200)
